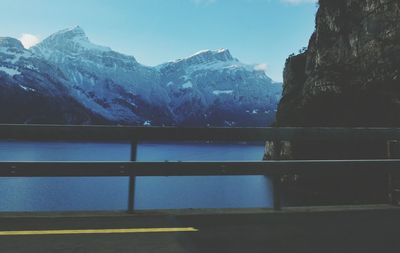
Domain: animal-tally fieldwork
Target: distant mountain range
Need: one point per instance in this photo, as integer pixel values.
(66, 79)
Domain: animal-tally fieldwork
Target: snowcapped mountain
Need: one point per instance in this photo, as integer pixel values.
(209, 88)
(213, 88)
(111, 84)
(33, 91)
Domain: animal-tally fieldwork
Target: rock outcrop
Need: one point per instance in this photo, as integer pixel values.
(350, 73)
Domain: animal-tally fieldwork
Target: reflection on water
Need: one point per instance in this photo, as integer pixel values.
(110, 193)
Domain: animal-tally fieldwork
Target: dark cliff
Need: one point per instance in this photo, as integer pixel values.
(350, 73)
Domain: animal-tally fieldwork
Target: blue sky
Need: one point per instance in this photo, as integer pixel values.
(156, 31)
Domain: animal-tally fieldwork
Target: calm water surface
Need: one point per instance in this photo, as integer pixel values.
(111, 193)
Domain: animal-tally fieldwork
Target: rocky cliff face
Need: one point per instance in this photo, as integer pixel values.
(350, 73)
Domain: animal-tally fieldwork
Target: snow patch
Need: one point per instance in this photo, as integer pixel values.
(219, 92)
(218, 51)
(187, 85)
(26, 88)
(31, 67)
(10, 71)
(14, 57)
(219, 66)
(87, 45)
(229, 123)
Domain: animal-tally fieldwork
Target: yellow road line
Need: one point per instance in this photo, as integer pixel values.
(98, 231)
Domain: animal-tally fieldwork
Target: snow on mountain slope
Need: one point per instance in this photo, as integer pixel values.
(213, 87)
(33, 91)
(209, 88)
(113, 85)
(24, 69)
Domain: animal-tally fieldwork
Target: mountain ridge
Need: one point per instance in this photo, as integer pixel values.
(185, 92)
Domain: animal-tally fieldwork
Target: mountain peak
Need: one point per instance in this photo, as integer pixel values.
(77, 31)
(71, 39)
(70, 34)
(8, 42)
(205, 56)
(77, 28)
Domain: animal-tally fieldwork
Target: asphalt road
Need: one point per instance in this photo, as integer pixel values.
(310, 231)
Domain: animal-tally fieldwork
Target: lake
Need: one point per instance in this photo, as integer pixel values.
(111, 193)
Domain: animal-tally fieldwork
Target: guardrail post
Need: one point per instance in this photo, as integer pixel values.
(393, 152)
(276, 179)
(132, 180)
(276, 184)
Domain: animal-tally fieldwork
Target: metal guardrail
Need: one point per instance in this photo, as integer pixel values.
(134, 134)
(274, 169)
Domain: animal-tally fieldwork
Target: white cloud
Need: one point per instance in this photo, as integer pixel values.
(29, 40)
(261, 67)
(203, 2)
(297, 2)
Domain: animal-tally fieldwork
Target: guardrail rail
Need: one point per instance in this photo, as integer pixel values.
(134, 135)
